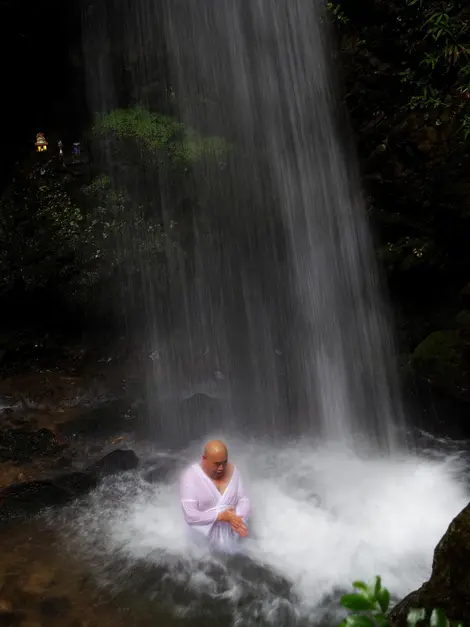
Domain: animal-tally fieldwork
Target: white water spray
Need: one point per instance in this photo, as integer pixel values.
(323, 517)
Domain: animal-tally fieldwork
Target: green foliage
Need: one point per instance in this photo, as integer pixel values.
(89, 247)
(431, 44)
(40, 227)
(102, 243)
(120, 239)
(154, 133)
(371, 598)
(373, 601)
(406, 69)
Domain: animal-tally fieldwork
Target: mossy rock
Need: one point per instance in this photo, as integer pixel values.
(449, 585)
(443, 359)
(462, 320)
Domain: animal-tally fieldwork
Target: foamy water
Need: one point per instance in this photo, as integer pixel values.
(322, 517)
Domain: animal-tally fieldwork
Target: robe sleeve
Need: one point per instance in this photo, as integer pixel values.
(243, 508)
(189, 492)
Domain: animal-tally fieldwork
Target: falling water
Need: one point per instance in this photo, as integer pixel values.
(276, 321)
(285, 286)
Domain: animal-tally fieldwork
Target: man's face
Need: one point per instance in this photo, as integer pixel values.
(215, 465)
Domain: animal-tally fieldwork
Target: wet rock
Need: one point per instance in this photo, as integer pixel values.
(55, 607)
(449, 585)
(104, 421)
(443, 358)
(40, 579)
(77, 483)
(22, 445)
(63, 462)
(25, 499)
(158, 470)
(120, 460)
(8, 618)
(29, 498)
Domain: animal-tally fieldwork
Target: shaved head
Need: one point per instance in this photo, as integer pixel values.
(215, 459)
(215, 448)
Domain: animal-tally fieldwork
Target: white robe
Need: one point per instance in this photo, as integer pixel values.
(202, 502)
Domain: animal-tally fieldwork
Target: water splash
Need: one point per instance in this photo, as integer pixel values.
(323, 517)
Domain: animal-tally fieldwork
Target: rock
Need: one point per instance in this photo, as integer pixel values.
(63, 462)
(103, 421)
(449, 585)
(40, 579)
(462, 320)
(21, 444)
(77, 483)
(25, 499)
(8, 618)
(55, 607)
(158, 469)
(443, 358)
(117, 461)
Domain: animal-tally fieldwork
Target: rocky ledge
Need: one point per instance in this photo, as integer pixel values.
(449, 586)
(29, 497)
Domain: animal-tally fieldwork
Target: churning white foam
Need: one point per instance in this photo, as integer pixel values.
(322, 517)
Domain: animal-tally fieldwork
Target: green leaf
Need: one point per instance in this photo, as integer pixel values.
(360, 585)
(438, 619)
(383, 599)
(380, 619)
(415, 615)
(357, 620)
(357, 602)
(377, 586)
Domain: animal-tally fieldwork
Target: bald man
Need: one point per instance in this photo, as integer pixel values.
(213, 498)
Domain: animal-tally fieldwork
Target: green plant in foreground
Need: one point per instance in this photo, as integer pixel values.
(370, 603)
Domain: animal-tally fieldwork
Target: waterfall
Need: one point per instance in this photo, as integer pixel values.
(277, 319)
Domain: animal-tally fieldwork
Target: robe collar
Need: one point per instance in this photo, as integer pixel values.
(216, 492)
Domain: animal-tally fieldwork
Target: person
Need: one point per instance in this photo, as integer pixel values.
(215, 504)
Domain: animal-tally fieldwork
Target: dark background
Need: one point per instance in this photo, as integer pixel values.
(42, 76)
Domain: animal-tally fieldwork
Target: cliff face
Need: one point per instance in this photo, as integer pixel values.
(449, 586)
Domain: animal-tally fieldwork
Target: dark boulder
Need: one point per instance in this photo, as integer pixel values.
(443, 358)
(77, 483)
(27, 499)
(117, 461)
(22, 444)
(449, 585)
(159, 469)
(55, 607)
(9, 619)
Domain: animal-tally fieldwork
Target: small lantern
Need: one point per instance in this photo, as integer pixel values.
(76, 149)
(41, 143)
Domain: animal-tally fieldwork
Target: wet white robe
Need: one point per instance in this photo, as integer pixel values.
(202, 502)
